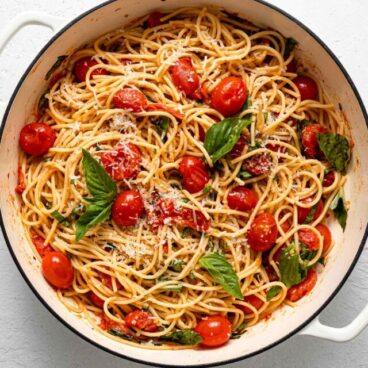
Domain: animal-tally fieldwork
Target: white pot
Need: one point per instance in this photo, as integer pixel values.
(284, 322)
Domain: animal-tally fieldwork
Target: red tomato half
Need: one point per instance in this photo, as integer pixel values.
(82, 66)
(130, 99)
(309, 140)
(194, 173)
(307, 87)
(298, 291)
(242, 199)
(164, 209)
(291, 67)
(184, 76)
(141, 320)
(229, 96)
(304, 212)
(328, 179)
(39, 243)
(326, 234)
(254, 301)
(57, 270)
(258, 164)
(96, 300)
(214, 330)
(238, 148)
(154, 19)
(36, 138)
(193, 219)
(127, 208)
(107, 324)
(123, 162)
(262, 233)
(309, 238)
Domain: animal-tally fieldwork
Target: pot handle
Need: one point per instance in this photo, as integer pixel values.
(353, 329)
(29, 18)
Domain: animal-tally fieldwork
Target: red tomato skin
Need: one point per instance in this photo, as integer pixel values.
(128, 208)
(258, 164)
(291, 67)
(262, 233)
(229, 96)
(164, 208)
(238, 148)
(304, 212)
(307, 87)
(107, 324)
(129, 99)
(123, 162)
(214, 330)
(193, 219)
(36, 138)
(185, 77)
(162, 107)
(21, 187)
(82, 66)
(201, 133)
(194, 173)
(154, 19)
(57, 270)
(107, 280)
(327, 237)
(309, 140)
(328, 179)
(242, 199)
(274, 147)
(141, 320)
(309, 238)
(96, 300)
(300, 290)
(39, 243)
(253, 300)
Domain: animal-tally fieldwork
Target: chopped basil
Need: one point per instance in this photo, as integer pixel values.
(57, 63)
(46, 159)
(222, 272)
(120, 334)
(290, 44)
(221, 137)
(187, 231)
(62, 220)
(162, 126)
(239, 332)
(98, 147)
(207, 189)
(176, 288)
(257, 145)
(183, 337)
(339, 208)
(274, 291)
(311, 214)
(244, 174)
(247, 104)
(192, 276)
(322, 261)
(176, 265)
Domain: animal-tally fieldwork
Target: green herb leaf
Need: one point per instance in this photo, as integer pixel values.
(336, 149)
(187, 231)
(176, 288)
(289, 46)
(322, 261)
(162, 125)
(247, 104)
(239, 332)
(222, 272)
(207, 189)
(192, 276)
(183, 337)
(57, 63)
(221, 137)
(244, 174)
(311, 214)
(176, 265)
(339, 209)
(257, 144)
(274, 291)
(58, 216)
(118, 333)
(46, 159)
(43, 101)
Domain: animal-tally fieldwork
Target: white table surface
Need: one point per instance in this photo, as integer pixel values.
(31, 337)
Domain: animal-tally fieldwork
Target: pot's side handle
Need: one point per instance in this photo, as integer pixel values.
(29, 18)
(353, 329)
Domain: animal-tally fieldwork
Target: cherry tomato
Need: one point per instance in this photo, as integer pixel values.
(107, 324)
(242, 199)
(202, 133)
(254, 301)
(304, 212)
(194, 173)
(123, 162)
(107, 281)
(285, 226)
(82, 66)
(307, 87)
(274, 147)
(262, 233)
(164, 209)
(36, 138)
(39, 243)
(309, 140)
(57, 270)
(127, 208)
(258, 164)
(162, 107)
(96, 300)
(193, 219)
(184, 76)
(300, 290)
(238, 148)
(130, 99)
(154, 19)
(326, 234)
(309, 238)
(229, 96)
(21, 187)
(214, 330)
(141, 320)
(291, 67)
(328, 179)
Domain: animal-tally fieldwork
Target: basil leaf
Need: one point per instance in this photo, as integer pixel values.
(222, 136)
(162, 125)
(336, 149)
(244, 174)
(183, 337)
(176, 265)
(58, 216)
(114, 332)
(247, 104)
(57, 63)
(305, 253)
(274, 291)
(311, 214)
(289, 46)
(222, 272)
(207, 189)
(257, 144)
(292, 271)
(339, 209)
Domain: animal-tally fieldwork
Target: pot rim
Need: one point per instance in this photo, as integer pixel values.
(136, 360)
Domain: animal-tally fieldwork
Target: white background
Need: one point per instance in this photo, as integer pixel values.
(31, 337)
